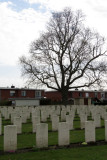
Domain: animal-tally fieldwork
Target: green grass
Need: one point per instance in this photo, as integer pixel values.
(81, 153)
(28, 140)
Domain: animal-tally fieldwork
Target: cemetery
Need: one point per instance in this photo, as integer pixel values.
(54, 130)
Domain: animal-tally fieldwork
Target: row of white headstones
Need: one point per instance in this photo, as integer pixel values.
(39, 115)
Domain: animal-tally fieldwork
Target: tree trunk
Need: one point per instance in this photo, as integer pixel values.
(64, 93)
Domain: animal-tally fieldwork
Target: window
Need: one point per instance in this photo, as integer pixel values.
(12, 93)
(87, 94)
(96, 94)
(38, 94)
(102, 95)
(23, 93)
(80, 94)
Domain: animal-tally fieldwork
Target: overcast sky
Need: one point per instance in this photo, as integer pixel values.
(21, 21)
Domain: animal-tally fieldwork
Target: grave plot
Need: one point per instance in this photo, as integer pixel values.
(48, 127)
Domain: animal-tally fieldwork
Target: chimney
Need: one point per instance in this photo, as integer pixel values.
(12, 86)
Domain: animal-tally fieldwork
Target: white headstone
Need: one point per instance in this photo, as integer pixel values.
(89, 131)
(41, 135)
(10, 138)
(63, 134)
(69, 120)
(35, 121)
(18, 122)
(97, 120)
(63, 115)
(55, 122)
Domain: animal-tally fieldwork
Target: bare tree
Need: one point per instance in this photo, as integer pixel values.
(67, 56)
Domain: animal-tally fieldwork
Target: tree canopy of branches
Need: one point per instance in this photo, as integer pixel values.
(67, 55)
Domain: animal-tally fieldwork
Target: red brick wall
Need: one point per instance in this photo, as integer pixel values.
(53, 95)
(56, 96)
(29, 94)
(5, 94)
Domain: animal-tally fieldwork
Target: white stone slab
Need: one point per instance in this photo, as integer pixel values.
(10, 138)
(42, 135)
(63, 134)
(89, 131)
(18, 122)
(55, 122)
(35, 121)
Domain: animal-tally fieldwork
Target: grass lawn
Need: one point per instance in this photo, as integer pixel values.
(81, 153)
(28, 140)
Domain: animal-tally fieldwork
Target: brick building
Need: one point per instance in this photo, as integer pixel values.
(13, 93)
(86, 96)
(76, 96)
